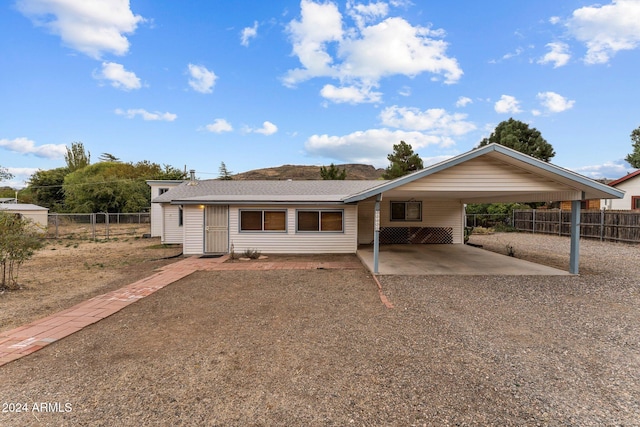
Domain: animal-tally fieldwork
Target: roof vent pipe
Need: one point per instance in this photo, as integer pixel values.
(192, 177)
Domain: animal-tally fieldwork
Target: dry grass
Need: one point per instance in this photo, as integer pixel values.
(68, 271)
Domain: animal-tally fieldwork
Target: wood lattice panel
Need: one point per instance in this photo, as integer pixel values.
(416, 235)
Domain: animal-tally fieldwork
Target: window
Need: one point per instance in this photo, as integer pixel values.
(161, 191)
(635, 202)
(180, 216)
(255, 220)
(320, 221)
(406, 211)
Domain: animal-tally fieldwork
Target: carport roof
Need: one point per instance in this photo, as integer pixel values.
(558, 183)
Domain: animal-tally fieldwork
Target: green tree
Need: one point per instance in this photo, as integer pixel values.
(76, 157)
(333, 173)
(46, 187)
(114, 186)
(4, 174)
(517, 135)
(19, 240)
(223, 173)
(634, 157)
(403, 161)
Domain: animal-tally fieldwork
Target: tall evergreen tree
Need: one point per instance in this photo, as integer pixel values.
(333, 173)
(403, 161)
(224, 173)
(517, 135)
(634, 157)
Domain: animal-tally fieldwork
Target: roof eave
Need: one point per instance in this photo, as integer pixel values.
(454, 161)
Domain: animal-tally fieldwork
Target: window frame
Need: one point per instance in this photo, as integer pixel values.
(406, 210)
(635, 200)
(320, 212)
(262, 222)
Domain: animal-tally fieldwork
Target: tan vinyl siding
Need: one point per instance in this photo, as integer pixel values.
(483, 174)
(434, 214)
(366, 214)
(291, 241)
(156, 219)
(193, 230)
(171, 230)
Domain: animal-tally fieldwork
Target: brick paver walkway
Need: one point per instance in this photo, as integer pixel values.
(29, 338)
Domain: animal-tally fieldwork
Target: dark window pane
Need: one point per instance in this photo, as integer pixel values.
(275, 221)
(251, 220)
(331, 221)
(397, 211)
(308, 220)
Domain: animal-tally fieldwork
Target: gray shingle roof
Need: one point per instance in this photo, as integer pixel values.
(21, 207)
(219, 191)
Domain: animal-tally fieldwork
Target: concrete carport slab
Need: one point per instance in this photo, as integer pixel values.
(450, 260)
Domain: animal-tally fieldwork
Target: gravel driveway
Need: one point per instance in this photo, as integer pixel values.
(318, 348)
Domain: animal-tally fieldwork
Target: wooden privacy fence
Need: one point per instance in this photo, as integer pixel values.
(98, 225)
(619, 226)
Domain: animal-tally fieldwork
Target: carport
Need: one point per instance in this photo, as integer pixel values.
(450, 260)
(491, 174)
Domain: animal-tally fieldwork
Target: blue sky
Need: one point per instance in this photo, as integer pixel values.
(256, 84)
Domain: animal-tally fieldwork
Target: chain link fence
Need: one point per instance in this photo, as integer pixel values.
(487, 220)
(98, 226)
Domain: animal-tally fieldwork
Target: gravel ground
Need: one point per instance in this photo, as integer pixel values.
(318, 348)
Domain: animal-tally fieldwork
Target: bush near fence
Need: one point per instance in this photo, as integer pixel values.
(619, 226)
(98, 225)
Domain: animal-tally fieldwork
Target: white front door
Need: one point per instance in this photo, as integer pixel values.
(216, 229)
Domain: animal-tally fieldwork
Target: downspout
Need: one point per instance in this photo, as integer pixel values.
(376, 233)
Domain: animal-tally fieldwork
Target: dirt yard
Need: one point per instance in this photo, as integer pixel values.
(318, 348)
(68, 271)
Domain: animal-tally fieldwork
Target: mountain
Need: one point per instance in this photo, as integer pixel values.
(302, 172)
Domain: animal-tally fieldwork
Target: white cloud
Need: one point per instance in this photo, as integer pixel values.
(267, 128)
(370, 146)
(404, 91)
(20, 178)
(364, 13)
(319, 24)
(558, 55)
(554, 103)
(435, 121)
(27, 146)
(202, 80)
(507, 105)
(362, 55)
(92, 27)
(463, 101)
(248, 33)
(554, 20)
(350, 94)
(219, 126)
(611, 169)
(118, 76)
(146, 115)
(519, 51)
(606, 29)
